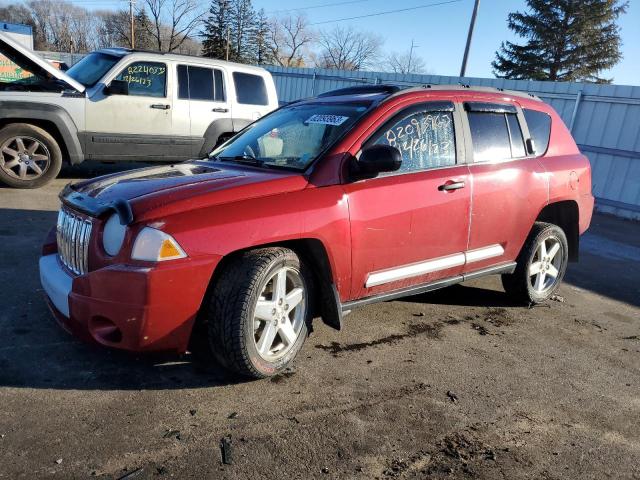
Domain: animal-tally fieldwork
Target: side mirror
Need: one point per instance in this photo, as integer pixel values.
(376, 159)
(117, 87)
(531, 146)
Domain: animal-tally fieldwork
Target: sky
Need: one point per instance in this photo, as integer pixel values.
(438, 31)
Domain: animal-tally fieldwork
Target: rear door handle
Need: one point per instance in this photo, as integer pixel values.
(160, 106)
(446, 187)
(220, 110)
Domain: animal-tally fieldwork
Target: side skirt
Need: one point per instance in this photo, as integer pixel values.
(427, 287)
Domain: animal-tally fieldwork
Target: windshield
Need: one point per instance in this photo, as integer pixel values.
(293, 136)
(92, 68)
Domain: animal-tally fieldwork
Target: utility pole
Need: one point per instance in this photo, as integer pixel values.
(411, 55)
(463, 69)
(133, 35)
(228, 40)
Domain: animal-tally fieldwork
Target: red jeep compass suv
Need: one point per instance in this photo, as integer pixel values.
(329, 203)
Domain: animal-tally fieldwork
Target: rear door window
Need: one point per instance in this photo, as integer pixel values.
(495, 132)
(145, 79)
(200, 83)
(250, 89)
(539, 124)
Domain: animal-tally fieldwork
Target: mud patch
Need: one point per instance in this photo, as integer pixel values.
(458, 455)
(282, 376)
(430, 330)
(415, 464)
(480, 329)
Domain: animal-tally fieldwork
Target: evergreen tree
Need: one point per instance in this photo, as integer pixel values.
(242, 31)
(214, 33)
(567, 40)
(260, 35)
(143, 25)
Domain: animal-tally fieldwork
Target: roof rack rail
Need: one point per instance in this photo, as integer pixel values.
(361, 90)
(461, 86)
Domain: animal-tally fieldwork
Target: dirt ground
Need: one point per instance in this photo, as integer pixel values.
(458, 383)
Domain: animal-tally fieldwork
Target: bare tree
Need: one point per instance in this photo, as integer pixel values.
(348, 49)
(63, 26)
(113, 29)
(288, 40)
(407, 62)
(172, 22)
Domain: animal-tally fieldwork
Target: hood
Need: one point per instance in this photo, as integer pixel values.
(25, 58)
(185, 185)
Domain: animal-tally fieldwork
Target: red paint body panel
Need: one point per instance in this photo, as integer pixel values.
(215, 209)
(507, 198)
(401, 220)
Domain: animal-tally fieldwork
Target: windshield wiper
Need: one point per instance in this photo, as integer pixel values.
(248, 159)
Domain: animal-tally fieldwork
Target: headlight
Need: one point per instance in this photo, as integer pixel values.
(156, 246)
(113, 235)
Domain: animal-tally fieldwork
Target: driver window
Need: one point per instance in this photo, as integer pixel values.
(146, 79)
(425, 139)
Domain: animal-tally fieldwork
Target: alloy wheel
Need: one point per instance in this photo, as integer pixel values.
(546, 264)
(24, 158)
(279, 314)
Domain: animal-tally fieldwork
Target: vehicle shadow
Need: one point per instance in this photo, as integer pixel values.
(465, 296)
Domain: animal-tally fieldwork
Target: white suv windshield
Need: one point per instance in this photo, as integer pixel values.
(92, 68)
(293, 136)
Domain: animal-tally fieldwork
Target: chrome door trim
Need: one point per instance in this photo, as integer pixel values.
(404, 272)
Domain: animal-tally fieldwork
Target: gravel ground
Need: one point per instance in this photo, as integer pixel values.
(458, 383)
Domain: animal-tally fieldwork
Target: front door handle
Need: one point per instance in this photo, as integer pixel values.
(447, 187)
(160, 106)
(220, 110)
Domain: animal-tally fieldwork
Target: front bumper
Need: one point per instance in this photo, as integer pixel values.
(129, 307)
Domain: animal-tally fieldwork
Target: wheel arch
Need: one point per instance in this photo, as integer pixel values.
(327, 304)
(566, 215)
(51, 118)
(218, 129)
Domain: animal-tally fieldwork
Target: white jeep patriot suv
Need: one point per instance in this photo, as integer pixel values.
(119, 104)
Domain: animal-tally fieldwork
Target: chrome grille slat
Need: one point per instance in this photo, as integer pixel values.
(73, 233)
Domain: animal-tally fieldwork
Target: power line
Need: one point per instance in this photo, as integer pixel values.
(387, 12)
(323, 5)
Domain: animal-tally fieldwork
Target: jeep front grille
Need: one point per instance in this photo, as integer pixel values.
(73, 233)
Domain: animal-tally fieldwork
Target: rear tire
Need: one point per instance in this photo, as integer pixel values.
(541, 265)
(29, 156)
(259, 311)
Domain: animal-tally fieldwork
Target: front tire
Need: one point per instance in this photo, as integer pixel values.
(540, 266)
(259, 311)
(29, 156)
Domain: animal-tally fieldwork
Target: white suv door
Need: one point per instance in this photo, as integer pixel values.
(137, 125)
(202, 97)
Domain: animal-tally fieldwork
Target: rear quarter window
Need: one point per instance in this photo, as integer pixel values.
(539, 124)
(250, 89)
